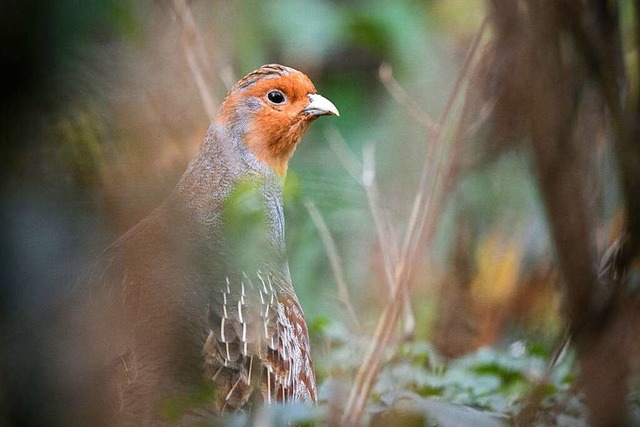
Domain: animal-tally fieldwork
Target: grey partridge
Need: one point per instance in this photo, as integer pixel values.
(194, 295)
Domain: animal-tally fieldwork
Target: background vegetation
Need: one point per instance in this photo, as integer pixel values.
(484, 151)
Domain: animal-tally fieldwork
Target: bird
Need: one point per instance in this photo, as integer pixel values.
(199, 293)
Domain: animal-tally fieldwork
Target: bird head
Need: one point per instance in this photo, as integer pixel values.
(270, 109)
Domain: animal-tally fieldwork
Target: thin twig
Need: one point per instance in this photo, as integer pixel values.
(421, 229)
(196, 54)
(365, 175)
(418, 205)
(389, 254)
(385, 75)
(388, 245)
(343, 153)
(334, 259)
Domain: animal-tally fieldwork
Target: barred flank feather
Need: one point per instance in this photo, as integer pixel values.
(261, 344)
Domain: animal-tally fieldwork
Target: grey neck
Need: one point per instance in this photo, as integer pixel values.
(221, 163)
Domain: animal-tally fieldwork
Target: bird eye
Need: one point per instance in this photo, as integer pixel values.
(276, 97)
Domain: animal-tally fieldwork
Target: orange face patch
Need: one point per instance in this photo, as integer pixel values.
(277, 122)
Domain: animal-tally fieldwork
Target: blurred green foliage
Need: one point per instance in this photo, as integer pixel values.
(246, 231)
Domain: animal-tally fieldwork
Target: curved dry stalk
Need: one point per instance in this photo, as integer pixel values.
(389, 251)
(334, 259)
(420, 231)
(385, 75)
(365, 175)
(388, 245)
(419, 210)
(196, 55)
(344, 154)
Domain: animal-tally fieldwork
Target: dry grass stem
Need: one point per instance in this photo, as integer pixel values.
(389, 251)
(334, 259)
(420, 205)
(388, 244)
(428, 205)
(385, 75)
(365, 175)
(196, 55)
(343, 153)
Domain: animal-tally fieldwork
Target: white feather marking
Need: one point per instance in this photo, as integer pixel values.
(222, 337)
(224, 305)
(264, 285)
(213, 378)
(268, 386)
(250, 369)
(244, 335)
(232, 390)
(227, 348)
(240, 311)
(270, 284)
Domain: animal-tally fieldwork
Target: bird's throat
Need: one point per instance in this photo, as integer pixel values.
(274, 149)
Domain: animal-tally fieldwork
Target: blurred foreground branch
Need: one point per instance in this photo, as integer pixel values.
(555, 67)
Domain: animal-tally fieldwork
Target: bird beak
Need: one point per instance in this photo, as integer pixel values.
(320, 106)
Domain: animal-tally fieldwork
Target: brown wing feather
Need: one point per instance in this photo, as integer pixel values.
(258, 346)
(290, 364)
